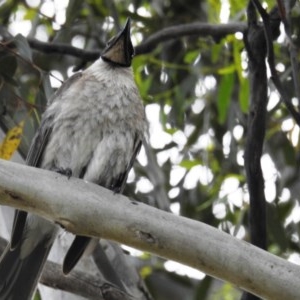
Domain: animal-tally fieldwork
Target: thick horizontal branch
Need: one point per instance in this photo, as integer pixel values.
(88, 209)
(173, 32)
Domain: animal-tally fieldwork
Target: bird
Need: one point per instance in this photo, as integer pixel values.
(93, 128)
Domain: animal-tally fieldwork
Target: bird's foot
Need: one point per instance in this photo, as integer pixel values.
(116, 190)
(64, 171)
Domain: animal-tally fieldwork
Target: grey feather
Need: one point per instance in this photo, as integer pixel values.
(35, 155)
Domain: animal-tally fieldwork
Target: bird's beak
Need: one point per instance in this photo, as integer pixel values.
(119, 50)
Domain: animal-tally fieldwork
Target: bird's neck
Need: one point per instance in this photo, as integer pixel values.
(102, 65)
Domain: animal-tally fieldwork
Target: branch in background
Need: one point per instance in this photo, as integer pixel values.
(81, 283)
(77, 282)
(149, 44)
(157, 178)
(88, 209)
(60, 48)
(256, 128)
(269, 35)
(285, 14)
(256, 48)
(194, 29)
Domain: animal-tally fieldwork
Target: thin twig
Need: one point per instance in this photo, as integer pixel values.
(271, 61)
(285, 18)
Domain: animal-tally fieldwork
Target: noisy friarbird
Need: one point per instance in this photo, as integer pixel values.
(92, 129)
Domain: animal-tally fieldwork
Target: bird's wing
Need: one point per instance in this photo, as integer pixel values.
(34, 158)
(35, 155)
(120, 181)
(66, 85)
(80, 243)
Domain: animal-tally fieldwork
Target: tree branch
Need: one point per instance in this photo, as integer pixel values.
(77, 282)
(60, 48)
(157, 178)
(256, 48)
(269, 35)
(256, 128)
(285, 14)
(87, 209)
(217, 31)
(80, 283)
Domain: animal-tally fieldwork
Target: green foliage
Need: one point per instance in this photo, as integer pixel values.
(23, 47)
(8, 64)
(226, 292)
(224, 95)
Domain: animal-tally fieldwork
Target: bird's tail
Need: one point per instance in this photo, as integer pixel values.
(19, 276)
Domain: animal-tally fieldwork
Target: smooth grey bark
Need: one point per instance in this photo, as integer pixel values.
(87, 209)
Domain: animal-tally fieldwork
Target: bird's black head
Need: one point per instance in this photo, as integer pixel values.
(119, 50)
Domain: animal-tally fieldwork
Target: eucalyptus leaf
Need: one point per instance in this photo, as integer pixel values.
(23, 47)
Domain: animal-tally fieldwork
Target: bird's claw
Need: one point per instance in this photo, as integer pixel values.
(64, 171)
